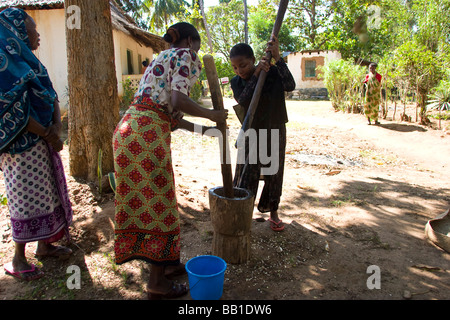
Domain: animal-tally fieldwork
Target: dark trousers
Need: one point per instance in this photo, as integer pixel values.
(247, 176)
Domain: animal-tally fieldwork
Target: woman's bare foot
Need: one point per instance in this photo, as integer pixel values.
(20, 267)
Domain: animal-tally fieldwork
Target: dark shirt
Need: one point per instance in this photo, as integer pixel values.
(271, 110)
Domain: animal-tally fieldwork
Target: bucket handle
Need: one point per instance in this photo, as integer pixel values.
(192, 287)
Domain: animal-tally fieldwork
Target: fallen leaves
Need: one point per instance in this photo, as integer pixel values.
(333, 172)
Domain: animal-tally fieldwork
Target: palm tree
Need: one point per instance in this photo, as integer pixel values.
(201, 5)
(135, 9)
(162, 11)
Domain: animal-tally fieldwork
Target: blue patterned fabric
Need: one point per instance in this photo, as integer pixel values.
(25, 87)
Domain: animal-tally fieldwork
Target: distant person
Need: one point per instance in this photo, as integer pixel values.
(270, 115)
(144, 66)
(373, 94)
(147, 221)
(30, 139)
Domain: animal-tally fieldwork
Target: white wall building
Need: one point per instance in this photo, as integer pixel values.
(132, 45)
(303, 66)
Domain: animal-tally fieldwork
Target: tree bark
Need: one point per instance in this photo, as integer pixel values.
(93, 94)
(205, 22)
(246, 21)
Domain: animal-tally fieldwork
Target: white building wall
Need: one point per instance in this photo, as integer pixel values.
(122, 43)
(53, 51)
(295, 66)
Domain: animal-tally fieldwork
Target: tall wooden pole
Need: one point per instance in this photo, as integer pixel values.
(217, 100)
(263, 75)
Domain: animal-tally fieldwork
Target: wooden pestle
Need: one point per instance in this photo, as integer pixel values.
(217, 101)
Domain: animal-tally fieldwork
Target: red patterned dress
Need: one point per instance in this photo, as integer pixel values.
(147, 221)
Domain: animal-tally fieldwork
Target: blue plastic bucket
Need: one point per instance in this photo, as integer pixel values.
(206, 276)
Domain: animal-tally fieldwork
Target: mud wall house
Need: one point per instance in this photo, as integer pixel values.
(132, 45)
(303, 66)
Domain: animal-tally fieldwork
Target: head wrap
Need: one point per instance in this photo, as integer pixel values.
(25, 87)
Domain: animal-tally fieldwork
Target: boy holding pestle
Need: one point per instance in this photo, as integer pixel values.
(270, 115)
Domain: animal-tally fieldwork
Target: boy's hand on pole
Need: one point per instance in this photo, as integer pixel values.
(273, 47)
(263, 64)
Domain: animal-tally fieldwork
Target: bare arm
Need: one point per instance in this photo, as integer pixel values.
(50, 134)
(198, 128)
(185, 104)
(57, 117)
(36, 128)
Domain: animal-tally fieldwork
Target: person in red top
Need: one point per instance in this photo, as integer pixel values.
(373, 94)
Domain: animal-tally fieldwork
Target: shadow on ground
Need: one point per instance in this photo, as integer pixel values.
(402, 127)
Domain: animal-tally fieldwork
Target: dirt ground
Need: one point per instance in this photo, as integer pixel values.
(354, 196)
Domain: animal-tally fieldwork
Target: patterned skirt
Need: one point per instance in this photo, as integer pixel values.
(373, 98)
(147, 221)
(36, 190)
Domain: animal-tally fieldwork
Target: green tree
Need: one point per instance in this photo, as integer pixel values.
(420, 62)
(162, 12)
(261, 21)
(365, 29)
(136, 10)
(432, 27)
(419, 66)
(343, 80)
(310, 17)
(153, 15)
(432, 22)
(205, 24)
(246, 21)
(386, 67)
(227, 25)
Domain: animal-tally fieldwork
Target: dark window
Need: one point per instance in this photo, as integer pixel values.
(130, 62)
(310, 69)
(139, 61)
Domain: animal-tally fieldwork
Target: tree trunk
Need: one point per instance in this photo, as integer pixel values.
(246, 21)
(205, 22)
(94, 102)
(422, 104)
(395, 110)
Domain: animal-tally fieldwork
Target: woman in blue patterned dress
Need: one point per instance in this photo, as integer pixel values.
(30, 128)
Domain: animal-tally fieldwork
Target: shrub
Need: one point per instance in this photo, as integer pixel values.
(196, 91)
(343, 80)
(128, 94)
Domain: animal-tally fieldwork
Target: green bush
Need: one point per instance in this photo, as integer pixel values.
(440, 97)
(196, 91)
(128, 94)
(344, 82)
(3, 200)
